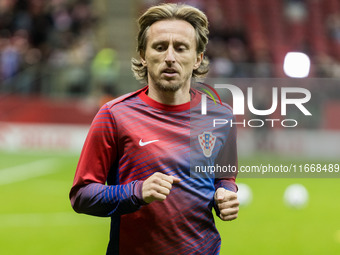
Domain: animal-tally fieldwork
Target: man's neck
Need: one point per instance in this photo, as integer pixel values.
(181, 96)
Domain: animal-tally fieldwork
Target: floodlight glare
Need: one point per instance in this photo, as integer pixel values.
(296, 65)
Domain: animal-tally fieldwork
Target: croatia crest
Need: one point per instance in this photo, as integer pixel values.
(207, 141)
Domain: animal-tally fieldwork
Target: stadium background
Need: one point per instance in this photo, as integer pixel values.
(61, 59)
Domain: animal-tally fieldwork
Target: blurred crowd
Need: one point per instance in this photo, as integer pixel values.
(251, 39)
(44, 42)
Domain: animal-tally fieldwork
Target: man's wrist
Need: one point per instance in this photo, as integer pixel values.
(138, 193)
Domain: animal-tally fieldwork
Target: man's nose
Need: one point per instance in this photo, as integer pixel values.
(170, 56)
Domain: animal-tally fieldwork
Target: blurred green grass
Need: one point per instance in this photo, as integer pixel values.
(267, 226)
(36, 216)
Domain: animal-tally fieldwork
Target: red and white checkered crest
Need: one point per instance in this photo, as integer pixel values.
(207, 141)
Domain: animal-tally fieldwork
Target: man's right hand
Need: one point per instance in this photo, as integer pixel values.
(158, 186)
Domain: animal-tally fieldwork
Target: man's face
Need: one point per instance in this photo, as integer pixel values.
(170, 54)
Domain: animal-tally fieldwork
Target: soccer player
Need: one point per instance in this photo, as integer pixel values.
(136, 165)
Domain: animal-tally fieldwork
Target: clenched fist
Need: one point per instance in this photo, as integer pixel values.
(157, 187)
(227, 203)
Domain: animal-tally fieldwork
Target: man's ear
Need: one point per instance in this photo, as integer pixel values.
(142, 57)
(199, 60)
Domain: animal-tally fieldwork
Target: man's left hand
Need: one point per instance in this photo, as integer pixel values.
(227, 204)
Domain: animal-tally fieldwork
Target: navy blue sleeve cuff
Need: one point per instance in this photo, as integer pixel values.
(137, 195)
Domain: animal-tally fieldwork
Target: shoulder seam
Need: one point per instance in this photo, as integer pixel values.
(115, 101)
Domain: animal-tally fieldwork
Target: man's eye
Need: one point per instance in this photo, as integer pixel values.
(181, 48)
(159, 48)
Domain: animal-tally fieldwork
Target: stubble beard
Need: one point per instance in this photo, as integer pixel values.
(167, 86)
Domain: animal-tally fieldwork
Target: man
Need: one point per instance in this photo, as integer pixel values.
(142, 145)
